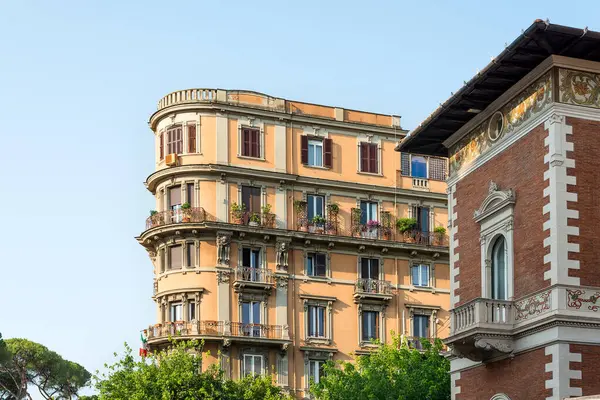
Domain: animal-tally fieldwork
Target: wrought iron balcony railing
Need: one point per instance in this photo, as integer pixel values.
(249, 274)
(183, 328)
(265, 220)
(178, 216)
(372, 286)
(259, 331)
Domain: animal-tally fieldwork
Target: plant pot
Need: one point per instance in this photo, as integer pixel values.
(331, 232)
(186, 219)
(319, 230)
(252, 223)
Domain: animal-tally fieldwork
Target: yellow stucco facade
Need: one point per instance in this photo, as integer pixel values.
(313, 267)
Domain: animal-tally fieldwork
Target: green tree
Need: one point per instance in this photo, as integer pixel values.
(24, 363)
(392, 372)
(175, 374)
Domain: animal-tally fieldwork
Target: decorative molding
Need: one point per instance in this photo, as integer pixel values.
(579, 88)
(223, 247)
(576, 299)
(223, 276)
(455, 388)
(562, 375)
(532, 306)
(495, 201)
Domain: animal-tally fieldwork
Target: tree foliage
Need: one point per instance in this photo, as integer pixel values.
(392, 372)
(176, 375)
(24, 363)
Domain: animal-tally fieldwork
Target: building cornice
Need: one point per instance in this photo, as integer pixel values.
(279, 178)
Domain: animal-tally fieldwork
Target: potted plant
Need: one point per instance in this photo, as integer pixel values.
(318, 224)
(439, 235)
(333, 208)
(237, 212)
(153, 212)
(300, 210)
(268, 218)
(371, 229)
(254, 219)
(187, 212)
(355, 217)
(406, 226)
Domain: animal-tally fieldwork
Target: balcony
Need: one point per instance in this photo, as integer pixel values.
(248, 278)
(372, 289)
(181, 215)
(219, 330)
(420, 184)
(481, 329)
(253, 219)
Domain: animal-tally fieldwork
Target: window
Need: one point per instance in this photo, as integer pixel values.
(369, 268)
(315, 370)
(315, 206)
(368, 212)
(316, 264)
(189, 194)
(421, 214)
(176, 312)
(191, 311)
(251, 198)
(316, 152)
(191, 129)
(251, 258)
(282, 369)
(499, 271)
(251, 142)
(368, 158)
(316, 321)
(174, 197)
(370, 325)
(161, 146)
(175, 255)
(190, 255)
(175, 140)
(253, 364)
(423, 167)
(421, 326)
(420, 275)
(251, 318)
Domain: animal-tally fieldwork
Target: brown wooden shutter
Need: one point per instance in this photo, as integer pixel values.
(304, 149)
(373, 158)
(191, 138)
(327, 153)
(162, 146)
(255, 143)
(364, 154)
(246, 142)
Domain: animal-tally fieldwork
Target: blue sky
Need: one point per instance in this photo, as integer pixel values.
(79, 79)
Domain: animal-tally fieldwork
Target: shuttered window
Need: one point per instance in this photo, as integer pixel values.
(162, 146)
(405, 164)
(175, 257)
(437, 168)
(368, 158)
(316, 152)
(174, 196)
(251, 142)
(175, 140)
(189, 194)
(191, 138)
(327, 153)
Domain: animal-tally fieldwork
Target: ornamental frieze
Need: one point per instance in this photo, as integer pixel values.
(583, 300)
(579, 88)
(532, 306)
(529, 103)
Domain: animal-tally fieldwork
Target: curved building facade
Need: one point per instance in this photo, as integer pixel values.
(275, 233)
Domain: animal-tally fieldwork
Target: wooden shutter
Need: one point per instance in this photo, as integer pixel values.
(373, 158)
(179, 140)
(246, 142)
(174, 196)
(364, 154)
(162, 146)
(304, 149)
(255, 141)
(327, 155)
(191, 138)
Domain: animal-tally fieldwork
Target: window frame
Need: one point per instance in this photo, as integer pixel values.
(312, 255)
(376, 328)
(420, 266)
(427, 325)
(314, 198)
(172, 308)
(428, 167)
(260, 143)
(170, 259)
(319, 367)
(174, 141)
(253, 356)
(368, 145)
(316, 143)
(315, 323)
(327, 303)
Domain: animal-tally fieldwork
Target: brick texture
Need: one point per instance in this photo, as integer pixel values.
(521, 168)
(589, 367)
(587, 172)
(522, 378)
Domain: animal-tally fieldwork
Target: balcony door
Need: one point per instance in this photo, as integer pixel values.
(251, 263)
(368, 212)
(369, 268)
(175, 203)
(251, 318)
(251, 201)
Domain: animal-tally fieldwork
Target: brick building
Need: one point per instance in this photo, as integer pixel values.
(524, 203)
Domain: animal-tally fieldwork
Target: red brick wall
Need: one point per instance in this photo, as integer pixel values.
(521, 168)
(587, 172)
(522, 378)
(589, 367)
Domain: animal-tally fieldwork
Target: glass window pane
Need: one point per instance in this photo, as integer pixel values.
(321, 321)
(311, 153)
(319, 155)
(255, 312)
(175, 255)
(247, 365)
(419, 167)
(499, 290)
(309, 265)
(319, 205)
(311, 207)
(245, 313)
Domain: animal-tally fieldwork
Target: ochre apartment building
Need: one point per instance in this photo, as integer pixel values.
(523, 141)
(275, 233)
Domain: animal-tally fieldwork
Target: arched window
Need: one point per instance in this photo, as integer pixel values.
(499, 270)
(500, 396)
(418, 167)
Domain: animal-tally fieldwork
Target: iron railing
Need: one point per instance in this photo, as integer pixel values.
(373, 286)
(264, 220)
(178, 216)
(257, 330)
(249, 274)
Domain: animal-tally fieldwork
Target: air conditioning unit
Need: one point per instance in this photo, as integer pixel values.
(171, 159)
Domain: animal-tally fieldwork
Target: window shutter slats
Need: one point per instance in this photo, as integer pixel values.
(162, 146)
(255, 143)
(373, 158)
(191, 138)
(364, 157)
(245, 142)
(405, 164)
(327, 153)
(304, 149)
